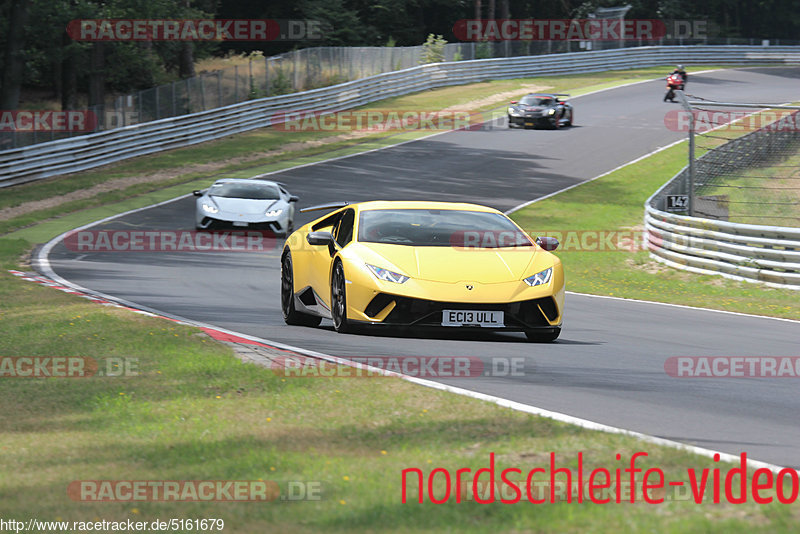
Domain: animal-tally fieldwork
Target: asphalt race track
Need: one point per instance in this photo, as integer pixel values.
(608, 365)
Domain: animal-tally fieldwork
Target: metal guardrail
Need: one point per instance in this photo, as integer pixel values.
(749, 252)
(86, 152)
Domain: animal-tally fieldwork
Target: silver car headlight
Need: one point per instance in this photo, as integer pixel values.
(210, 208)
(273, 213)
(386, 275)
(540, 278)
(513, 112)
(552, 111)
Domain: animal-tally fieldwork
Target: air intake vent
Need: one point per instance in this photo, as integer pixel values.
(378, 304)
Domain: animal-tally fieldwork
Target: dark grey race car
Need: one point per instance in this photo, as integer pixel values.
(536, 110)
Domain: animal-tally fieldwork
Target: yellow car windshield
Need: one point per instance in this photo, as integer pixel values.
(440, 228)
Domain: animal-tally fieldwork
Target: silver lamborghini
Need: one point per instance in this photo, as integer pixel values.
(243, 203)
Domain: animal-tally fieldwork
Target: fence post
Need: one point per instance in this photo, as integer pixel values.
(202, 93)
(318, 53)
(688, 107)
(266, 74)
(219, 88)
(235, 84)
(295, 85)
(174, 104)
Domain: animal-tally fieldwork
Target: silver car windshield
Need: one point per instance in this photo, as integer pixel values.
(250, 191)
(440, 228)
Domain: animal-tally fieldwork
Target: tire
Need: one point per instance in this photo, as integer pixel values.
(543, 337)
(509, 122)
(572, 118)
(290, 315)
(339, 300)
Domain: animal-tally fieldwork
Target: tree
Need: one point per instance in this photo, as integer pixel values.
(340, 24)
(13, 56)
(433, 49)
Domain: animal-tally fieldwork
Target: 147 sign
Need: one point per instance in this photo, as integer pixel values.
(677, 202)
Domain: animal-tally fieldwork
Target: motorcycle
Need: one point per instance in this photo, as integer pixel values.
(674, 81)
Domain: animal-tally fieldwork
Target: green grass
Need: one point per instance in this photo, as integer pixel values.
(615, 203)
(768, 195)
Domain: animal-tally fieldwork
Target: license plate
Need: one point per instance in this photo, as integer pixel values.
(528, 123)
(487, 318)
(239, 223)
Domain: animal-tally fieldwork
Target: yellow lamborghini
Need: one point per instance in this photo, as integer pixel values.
(421, 264)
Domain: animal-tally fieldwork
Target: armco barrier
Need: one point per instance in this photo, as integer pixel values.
(93, 150)
(768, 254)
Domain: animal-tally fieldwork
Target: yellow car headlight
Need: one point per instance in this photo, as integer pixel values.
(386, 275)
(540, 278)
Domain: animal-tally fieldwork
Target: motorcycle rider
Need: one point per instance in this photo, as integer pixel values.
(682, 73)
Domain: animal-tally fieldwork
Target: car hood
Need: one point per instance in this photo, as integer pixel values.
(451, 264)
(243, 205)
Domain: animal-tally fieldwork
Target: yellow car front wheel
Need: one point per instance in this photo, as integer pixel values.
(290, 314)
(543, 337)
